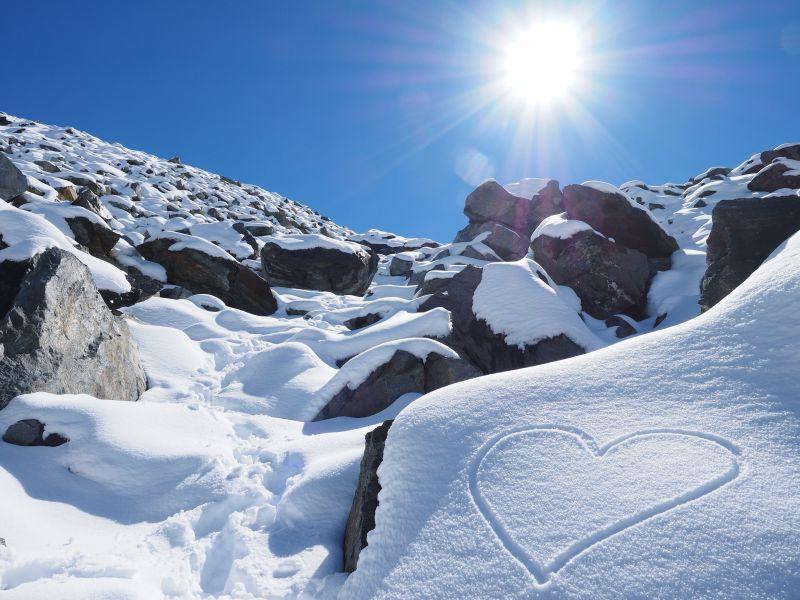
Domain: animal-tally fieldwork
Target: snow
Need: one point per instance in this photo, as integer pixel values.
(602, 186)
(664, 462)
(313, 240)
(526, 188)
(28, 234)
(531, 310)
(560, 227)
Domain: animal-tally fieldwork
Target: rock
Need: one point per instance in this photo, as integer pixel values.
(87, 182)
(623, 327)
(400, 266)
(68, 193)
(362, 321)
(791, 152)
(607, 277)
(324, 269)
(88, 200)
(259, 229)
(490, 201)
(744, 233)
(97, 238)
(474, 339)
(12, 181)
(403, 373)
(30, 432)
(56, 334)
(775, 176)
(46, 166)
(508, 244)
(613, 216)
(361, 519)
(176, 160)
(225, 278)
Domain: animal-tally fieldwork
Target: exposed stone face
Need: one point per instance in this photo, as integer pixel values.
(791, 152)
(404, 373)
(399, 266)
(57, 335)
(323, 269)
(12, 181)
(474, 339)
(507, 243)
(227, 279)
(615, 217)
(608, 278)
(773, 177)
(744, 233)
(490, 201)
(30, 432)
(361, 519)
(97, 238)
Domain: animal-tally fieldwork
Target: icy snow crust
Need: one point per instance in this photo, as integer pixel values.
(663, 464)
(215, 485)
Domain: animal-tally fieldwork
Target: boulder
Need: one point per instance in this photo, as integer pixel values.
(622, 328)
(474, 339)
(217, 274)
(607, 277)
(56, 334)
(403, 373)
(791, 151)
(400, 266)
(326, 269)
(361, 519)
(97, 237)
(30, 432)
(612, 215)
(744, 233)
(776, 176)
(12, 181)
(89, 200)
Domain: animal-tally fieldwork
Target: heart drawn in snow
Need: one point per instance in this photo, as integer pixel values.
(550, 493)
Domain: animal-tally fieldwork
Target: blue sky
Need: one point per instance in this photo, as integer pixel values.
(376, 113)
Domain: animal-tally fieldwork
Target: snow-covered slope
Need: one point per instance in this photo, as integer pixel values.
(661, 466)
(216, 484)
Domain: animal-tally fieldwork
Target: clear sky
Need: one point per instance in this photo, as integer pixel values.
(385, 114)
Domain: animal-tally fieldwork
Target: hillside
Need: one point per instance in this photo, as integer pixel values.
(190, 365)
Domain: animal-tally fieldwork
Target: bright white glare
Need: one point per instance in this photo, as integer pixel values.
(541, 63)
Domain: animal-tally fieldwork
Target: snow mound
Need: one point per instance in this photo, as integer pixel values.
(530, 310)
(560, 227)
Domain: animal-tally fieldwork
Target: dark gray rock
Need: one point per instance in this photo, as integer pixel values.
(607, 277)
(324, 269)
(475, 340)
(56, 334)
(490, 201)
(225, 278)
(87, 182)
(623, 328)
(766, 157)
(30, 432)
(507, 243)
(362, 321)
(97, 238)
(89, 200)
(744, 233)
(773, 177)
(361, 519)
(615, 217)
(400, 266)
(12, 181)
(259, 229)
(404, 373)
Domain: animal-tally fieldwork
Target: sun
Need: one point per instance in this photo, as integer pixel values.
(541, 63)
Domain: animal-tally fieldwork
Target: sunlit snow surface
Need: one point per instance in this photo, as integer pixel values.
(214, 485)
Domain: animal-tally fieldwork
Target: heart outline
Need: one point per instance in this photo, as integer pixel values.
(542, 574)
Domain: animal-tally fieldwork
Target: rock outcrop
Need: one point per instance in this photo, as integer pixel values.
(327, 269)
(58, 336)
(361, 519)
(776, 176)
(615, 217)
(30, 432)
(12, 181)
(206, 273)
(473, 338)
(607, 277)
(403, 373)
(744, 233)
